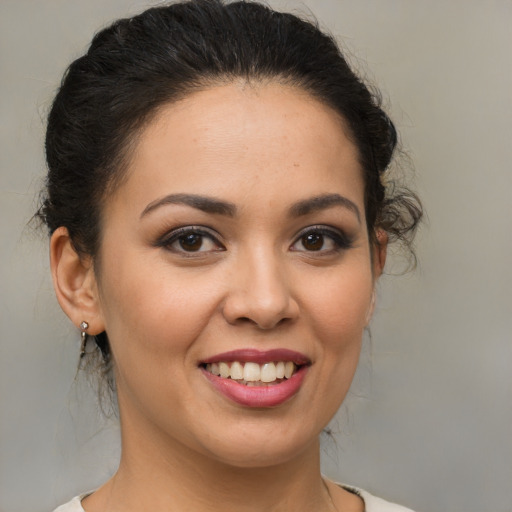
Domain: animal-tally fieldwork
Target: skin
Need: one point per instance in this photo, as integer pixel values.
(253, 283)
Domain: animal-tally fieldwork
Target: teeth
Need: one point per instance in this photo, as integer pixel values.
(268, 372)
(237, 371)
(280, 370)
(288, 369)
(224, 370)
(253, 374)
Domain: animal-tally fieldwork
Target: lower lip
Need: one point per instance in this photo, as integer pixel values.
(258, 396)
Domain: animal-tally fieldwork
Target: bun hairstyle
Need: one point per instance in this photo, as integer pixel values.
(138, 65)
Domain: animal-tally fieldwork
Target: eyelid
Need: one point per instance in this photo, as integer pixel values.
(338, 236)
(174, 235)
(340, 239)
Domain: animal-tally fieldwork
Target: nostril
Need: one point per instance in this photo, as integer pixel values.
(262, 306)
(243, 320)
(262, 324)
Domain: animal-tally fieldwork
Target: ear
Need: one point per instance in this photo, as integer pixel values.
(74, 282)
(379, 253)
(378, 261)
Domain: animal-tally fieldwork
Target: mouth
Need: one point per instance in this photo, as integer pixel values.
(257, 379)
(253, 374)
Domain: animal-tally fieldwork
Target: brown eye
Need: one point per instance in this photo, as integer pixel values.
(323, 240)
(313, 241)
(191, 242)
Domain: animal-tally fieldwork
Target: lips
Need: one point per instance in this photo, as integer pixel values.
(255, 378)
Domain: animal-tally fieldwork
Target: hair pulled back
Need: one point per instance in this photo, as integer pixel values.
(139, 64)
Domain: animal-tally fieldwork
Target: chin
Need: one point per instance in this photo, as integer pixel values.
(252, 446)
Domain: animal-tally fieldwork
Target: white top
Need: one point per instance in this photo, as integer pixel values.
(371, 503)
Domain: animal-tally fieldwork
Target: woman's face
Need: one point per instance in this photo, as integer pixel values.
(237, 246)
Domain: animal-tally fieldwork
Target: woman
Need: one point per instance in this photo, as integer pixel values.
(219, 219)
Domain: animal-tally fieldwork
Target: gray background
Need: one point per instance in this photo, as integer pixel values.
(428, 422)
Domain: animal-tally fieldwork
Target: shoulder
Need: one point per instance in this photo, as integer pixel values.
(374, 504)
(75, 505)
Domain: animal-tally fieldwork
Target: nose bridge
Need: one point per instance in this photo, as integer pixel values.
(259, 290)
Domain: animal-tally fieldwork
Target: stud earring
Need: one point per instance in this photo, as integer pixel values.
(83, 334)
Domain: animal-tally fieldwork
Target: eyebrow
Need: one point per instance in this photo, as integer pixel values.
(203, 203)
(323, 202)
(216, 206)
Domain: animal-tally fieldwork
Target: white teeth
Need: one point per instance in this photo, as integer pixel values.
(237, 371)
(280, 370)
(224, 370)
(251, 373)
(268, 372)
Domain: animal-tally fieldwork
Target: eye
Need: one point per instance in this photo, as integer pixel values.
(322, 240)
(191, 239)
(313, 241)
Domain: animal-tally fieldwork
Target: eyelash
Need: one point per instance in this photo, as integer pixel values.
(179, 234)
(340, 240)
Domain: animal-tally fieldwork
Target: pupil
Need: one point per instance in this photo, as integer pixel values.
(191, 242)
(313, 241)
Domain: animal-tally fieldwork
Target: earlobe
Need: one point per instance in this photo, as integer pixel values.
(74, 282)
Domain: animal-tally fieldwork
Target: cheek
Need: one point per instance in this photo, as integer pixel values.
(340, 306)
(335, 305)
(153, 320)
(155, 312)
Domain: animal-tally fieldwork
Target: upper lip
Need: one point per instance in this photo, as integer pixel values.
(251, 355)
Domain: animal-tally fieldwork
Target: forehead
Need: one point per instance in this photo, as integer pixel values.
(248, 139)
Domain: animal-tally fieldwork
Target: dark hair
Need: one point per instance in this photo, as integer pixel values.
(139, 64)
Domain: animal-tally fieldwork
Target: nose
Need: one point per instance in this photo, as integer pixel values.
(259, 292)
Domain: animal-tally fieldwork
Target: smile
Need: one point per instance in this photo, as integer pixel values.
(254, 378)
(253, 374)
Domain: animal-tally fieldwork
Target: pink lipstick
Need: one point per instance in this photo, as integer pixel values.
(255, 378)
